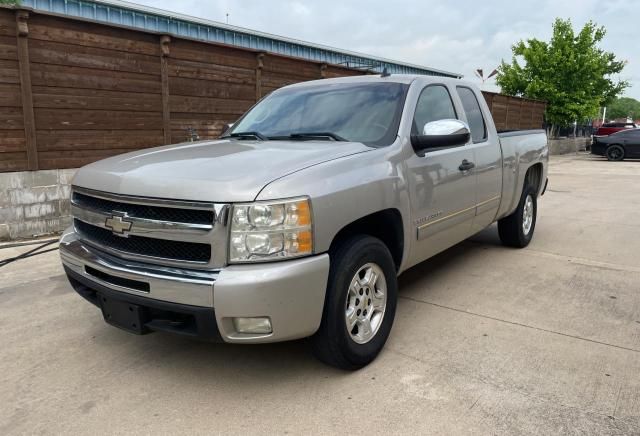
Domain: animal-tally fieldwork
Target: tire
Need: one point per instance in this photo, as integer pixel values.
(513, 230)
(333, 343)
(615, 153)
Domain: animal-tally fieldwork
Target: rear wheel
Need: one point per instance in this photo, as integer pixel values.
(360, 304)
(615, 152)
(516, 230)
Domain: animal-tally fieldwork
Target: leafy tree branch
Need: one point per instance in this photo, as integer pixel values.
(570, 72)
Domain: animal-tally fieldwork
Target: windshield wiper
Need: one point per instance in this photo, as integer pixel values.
(256, 135)
(312, 135)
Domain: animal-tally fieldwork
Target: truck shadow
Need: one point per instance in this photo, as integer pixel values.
(450, 259)
(256, 367)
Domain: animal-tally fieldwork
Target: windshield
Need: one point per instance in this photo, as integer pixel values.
(360, 112)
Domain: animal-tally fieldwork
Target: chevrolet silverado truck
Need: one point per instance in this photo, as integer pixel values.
(297, 221)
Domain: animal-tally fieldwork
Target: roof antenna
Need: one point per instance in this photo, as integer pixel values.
(385, 72)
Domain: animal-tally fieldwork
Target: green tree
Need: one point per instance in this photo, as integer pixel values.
(624, 107)
(10, 2)
(569, 72)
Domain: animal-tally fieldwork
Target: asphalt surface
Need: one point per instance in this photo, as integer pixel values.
(487, 340)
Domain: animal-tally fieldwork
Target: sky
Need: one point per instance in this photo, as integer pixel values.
(458, 36)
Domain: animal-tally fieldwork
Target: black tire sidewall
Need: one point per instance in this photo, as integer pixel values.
(353, 254)
(615, 146)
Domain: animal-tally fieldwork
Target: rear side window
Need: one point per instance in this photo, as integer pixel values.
(474, 114)
(434, 104)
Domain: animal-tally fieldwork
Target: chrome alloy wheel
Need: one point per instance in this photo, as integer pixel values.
(366, 303)
(527, 215)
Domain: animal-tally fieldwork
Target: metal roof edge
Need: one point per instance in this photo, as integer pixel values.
(47, 5)
(179, 16)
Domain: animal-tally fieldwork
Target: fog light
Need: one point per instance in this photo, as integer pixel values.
(258, 325)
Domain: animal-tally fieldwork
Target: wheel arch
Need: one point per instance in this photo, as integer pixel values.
(533, 177)
(385, 225)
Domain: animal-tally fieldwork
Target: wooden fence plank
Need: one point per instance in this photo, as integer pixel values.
(214, 54)
(12, 141)
(77, 32)
(8, 48)
(14, 162)
(11, 118)
(202, 105)
(208, 88)
(206, 71)
(65, 119)
(79, 98)
(10, 95)
(25, 87)
(9, 71)
(56, 53)
(62, 140)
(76, 77)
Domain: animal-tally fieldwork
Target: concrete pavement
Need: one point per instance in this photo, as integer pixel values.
(487, 340)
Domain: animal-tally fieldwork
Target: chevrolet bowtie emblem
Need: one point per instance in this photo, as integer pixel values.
(118, 225)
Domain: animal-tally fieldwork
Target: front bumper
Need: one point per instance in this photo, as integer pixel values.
(291, 293)
(598, 148)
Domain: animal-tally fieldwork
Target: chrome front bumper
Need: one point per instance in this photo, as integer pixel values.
(291, 293)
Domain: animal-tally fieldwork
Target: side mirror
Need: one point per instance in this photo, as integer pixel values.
(440, 134)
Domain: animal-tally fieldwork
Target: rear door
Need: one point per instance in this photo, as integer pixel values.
(487, 157)
(442, 194)
(631, 143)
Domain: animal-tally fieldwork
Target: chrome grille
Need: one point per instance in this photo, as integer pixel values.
(159, 213)
(175, 250)
(167, 232)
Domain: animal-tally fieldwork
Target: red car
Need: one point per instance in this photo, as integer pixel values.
(608, 128)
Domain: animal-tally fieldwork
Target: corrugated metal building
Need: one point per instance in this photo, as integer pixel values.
(156, 20)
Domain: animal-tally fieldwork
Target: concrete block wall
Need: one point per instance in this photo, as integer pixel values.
(34, 203)
(568, 145)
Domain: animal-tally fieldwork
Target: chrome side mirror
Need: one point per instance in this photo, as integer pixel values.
(440, 134)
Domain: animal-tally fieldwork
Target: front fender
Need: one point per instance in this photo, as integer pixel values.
(347, 189)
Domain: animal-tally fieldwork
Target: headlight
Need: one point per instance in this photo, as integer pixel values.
(270, 230)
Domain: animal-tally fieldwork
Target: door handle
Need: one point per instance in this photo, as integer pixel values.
(466, 165)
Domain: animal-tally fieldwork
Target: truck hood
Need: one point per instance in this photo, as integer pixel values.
(226, 170)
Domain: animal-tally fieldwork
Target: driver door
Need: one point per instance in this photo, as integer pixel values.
(442, 194)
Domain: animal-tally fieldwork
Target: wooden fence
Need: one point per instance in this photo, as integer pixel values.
(74, 91)
(514, 113)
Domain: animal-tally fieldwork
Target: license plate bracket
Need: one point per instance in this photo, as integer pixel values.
(127, 316)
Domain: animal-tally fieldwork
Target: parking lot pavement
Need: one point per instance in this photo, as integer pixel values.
(487, 340)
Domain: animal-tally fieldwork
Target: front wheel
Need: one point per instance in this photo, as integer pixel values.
(516, 230)
(360, 304)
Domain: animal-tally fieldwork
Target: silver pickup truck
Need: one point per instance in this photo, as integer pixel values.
(297, 221)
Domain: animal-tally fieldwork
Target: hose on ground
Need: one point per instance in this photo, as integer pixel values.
(33, 252)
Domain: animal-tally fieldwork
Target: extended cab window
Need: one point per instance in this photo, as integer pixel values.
(474, 114)
(434, 104)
